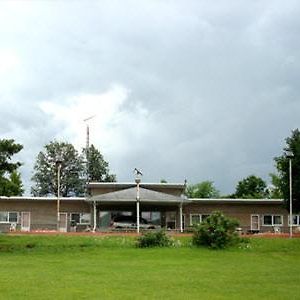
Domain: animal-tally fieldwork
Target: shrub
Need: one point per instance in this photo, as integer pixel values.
(217, 232)
(154, 239)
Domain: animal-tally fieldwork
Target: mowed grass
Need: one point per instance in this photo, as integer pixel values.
(81, 267)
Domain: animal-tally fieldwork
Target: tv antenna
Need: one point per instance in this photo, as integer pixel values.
(87, 146)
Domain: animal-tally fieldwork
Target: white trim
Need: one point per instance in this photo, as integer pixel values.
(235, 200)
(258, 222)
(24, 198)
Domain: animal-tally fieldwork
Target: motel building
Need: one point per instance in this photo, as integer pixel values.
(143, 205)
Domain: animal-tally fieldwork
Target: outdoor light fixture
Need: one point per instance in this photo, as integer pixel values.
(58, 164)
(290, 156)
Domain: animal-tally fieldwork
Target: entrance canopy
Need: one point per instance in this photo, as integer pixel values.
(129, 196)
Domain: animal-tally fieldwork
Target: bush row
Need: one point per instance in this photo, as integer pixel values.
(216, 232)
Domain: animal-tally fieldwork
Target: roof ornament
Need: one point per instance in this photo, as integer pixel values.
(138, 175)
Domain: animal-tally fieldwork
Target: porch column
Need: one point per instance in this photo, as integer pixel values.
(137, 216)
(95, 216)
(180, 217)
(137, 181)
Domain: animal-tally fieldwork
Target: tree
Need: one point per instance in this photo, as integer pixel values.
(282, 164)
(98, 168)
(251, 187)
(72, 179)
(204, 189)
(10, 179)
(274, 190)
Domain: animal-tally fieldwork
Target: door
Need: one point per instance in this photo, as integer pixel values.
(171, 219)
(255, 223)
(25, 221)
(63, 222)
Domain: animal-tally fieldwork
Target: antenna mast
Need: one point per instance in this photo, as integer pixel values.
(87, 150)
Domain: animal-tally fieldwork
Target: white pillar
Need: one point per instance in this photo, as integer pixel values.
(180, 217)
(95, 216)
(138, 216)
(58, 194)
(137, 206)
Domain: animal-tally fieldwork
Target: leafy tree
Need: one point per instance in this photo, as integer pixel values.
(204, 189)
(98, 168)
(10, 179)
(217, 232)
(282, 164)
(274, 190)
(163, 180)
(251, 187)
(72, 179)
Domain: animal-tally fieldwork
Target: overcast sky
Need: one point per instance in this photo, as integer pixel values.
(196, 90)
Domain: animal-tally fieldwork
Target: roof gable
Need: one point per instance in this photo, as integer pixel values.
(131, 193)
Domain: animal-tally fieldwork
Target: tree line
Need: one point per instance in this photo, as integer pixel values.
(77, 168)
(74, 172)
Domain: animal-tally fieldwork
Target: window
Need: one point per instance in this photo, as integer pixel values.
(13, 217)
(8, 217)
(204, 217)
(85, 218)
(152, 217)
(272, 220)
(81, 218)
(3, 217)
(296, 220)
(197, 218)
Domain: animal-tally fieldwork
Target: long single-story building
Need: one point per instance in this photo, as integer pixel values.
(163, 204)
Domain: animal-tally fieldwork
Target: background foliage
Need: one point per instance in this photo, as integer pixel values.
(292, 147)
(10, 178)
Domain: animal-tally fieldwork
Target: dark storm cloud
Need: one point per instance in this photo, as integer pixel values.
(218, 81)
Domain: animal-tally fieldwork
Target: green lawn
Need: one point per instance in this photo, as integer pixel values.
(66, 267)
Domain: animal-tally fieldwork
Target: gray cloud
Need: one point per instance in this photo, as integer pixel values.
(218, 81)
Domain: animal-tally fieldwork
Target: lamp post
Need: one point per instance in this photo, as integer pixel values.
(58, 166)
(290, 156)
(138, 175)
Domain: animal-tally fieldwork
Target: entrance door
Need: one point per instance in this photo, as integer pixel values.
(255, 223)
(171, 219)
(183, 221)
(63, 221)
(25, 221)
